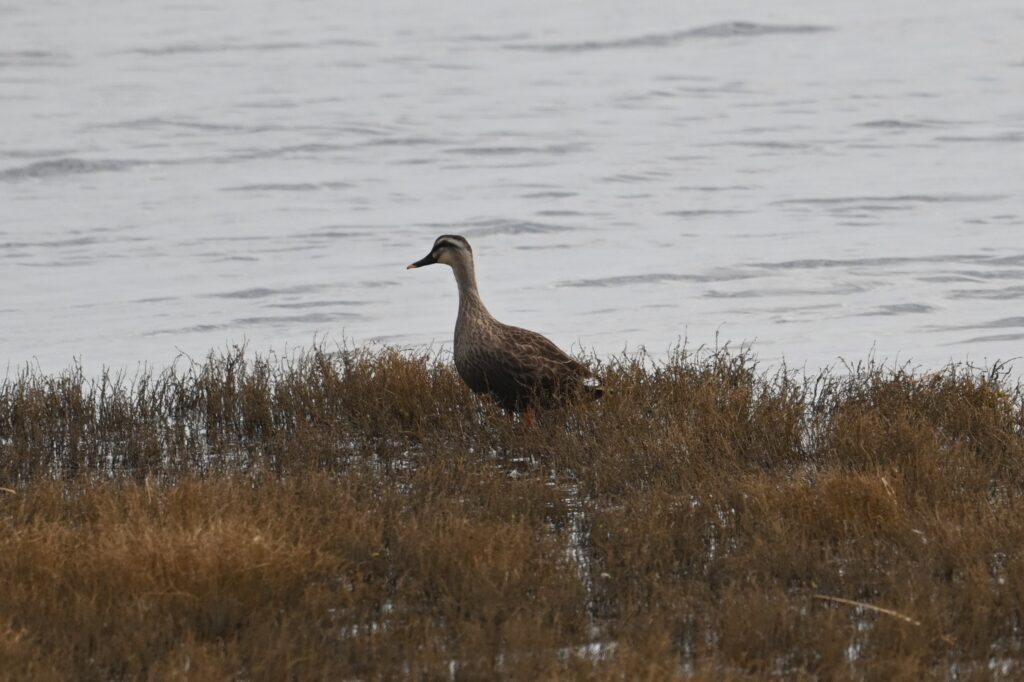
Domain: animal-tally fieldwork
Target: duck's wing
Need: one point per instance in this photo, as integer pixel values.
(535, 361)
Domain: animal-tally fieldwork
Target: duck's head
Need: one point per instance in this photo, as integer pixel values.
(450, 249)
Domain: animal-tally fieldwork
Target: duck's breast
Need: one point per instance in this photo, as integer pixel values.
(472, 356)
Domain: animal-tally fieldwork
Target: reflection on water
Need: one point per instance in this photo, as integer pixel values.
(819, 180)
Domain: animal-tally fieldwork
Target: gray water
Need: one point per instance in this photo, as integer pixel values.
(821, 180)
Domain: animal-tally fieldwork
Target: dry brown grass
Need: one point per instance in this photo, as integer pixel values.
(360, 515)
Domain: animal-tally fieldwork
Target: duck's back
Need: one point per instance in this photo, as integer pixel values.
(518, 366)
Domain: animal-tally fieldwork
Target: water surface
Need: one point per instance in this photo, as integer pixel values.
(819, 179)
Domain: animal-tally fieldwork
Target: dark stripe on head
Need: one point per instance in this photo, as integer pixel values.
(453, 241)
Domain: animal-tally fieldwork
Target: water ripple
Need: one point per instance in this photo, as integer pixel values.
(900, 309)
(1009, 136)
(657, 278)
(263, 292)
(493, 226)
(290, 187)
(904, 124)
(261, 321)
(698, 213)
(838, 289)
(65, 166)
(554, 149)
(268, 46)
(1001, 323)
(14, 58)
(1004, 294)
(899, 198)
(732, 29)
(989, 339)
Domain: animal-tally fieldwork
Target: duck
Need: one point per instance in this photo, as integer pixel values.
(521, 369)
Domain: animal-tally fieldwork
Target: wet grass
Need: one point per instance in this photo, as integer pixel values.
(360, 515)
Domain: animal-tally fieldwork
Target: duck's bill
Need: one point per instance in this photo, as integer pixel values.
(426, 260)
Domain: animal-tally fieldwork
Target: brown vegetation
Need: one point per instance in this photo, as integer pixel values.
(361, 515)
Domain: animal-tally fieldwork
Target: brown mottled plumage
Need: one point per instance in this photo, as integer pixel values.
(520, 368)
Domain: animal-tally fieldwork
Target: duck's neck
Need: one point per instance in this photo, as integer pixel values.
(470, 304)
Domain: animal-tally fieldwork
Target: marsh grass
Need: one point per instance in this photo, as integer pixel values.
(359, 514)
